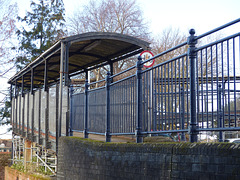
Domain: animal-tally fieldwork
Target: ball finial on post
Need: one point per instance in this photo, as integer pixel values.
(192, 31)
(139, 58)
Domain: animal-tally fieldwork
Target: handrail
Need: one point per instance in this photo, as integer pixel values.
(45, 164)
(165, 52)
(218, 29)
(102, 80)
(128, 69)
(124, 79)
(165, 62)
(218, 41)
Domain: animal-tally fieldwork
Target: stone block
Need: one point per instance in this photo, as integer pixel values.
(189, 159)
(175, 174)
(212, 168)
(175, 158)
(196, 167)
(204, 159)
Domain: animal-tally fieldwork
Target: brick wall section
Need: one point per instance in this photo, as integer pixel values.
(86, 159)
(4, 161)
(13, 174)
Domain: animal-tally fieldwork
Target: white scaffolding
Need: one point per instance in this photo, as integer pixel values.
(39, 155)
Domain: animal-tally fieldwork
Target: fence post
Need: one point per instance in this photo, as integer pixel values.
(192, 54)
(108, 82)
(86, 110)
(220, 115)
(138, 131)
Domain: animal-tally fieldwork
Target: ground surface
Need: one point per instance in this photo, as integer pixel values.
(125, 139)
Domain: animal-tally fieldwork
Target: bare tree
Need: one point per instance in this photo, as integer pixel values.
(169, 38)
(209, 57)
(168, 74)
(7, 30)
(118, 16)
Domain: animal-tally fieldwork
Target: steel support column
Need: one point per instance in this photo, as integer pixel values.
(15, 110)
(66, 64)
(138, 131)
(39, 119)
(31, 136)
(47, 104)
(86, 109)
(111, 68)
(32, 80)
(67, 83)
(46, 76)
(108, 82)
(21, 109)
(62, 63)
(57, 113)
(192, 54)
(11, 89)
(22, 90)
(28, 112)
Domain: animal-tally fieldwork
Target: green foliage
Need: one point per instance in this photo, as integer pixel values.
(41, 27)
(18, 166)
(40, 177)
(5, 111)
(41, 170)
(31, 168)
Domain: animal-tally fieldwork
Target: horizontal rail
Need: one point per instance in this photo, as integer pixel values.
(218, 41)
(121, 80)
(166, 62)
(218, 29)
(97, 133)
(95, 89)
(165, 52)
(122, 134)
(219, 129)
(122, 72)
(74, 130)
(165, 132)
(102, 80)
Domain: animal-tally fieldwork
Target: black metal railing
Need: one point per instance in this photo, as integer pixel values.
(196, 91)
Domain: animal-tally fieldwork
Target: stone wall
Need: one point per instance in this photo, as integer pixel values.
(4, 161)
(86, 159)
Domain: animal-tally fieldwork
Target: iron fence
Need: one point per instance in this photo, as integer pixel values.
(195, 91)
(123, 106)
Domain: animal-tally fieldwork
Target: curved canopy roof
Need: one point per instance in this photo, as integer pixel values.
(84, 51)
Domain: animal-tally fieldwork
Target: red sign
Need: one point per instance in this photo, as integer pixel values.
(147, 55)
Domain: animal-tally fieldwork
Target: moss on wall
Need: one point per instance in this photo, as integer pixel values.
(89, 159)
